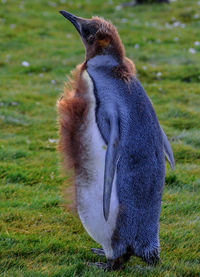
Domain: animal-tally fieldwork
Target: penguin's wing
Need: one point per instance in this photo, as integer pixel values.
(110, 164)
(168, 150)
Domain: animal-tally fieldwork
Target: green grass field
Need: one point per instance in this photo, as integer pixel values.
(38, 47)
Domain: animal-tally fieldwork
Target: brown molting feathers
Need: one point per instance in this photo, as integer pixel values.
(107, 41)
(125, 70)
(72, 110)
(107, 37)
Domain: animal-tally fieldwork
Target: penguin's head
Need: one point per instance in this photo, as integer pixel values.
(98, 36)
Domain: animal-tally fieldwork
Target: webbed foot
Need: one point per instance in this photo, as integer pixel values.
(112, 264)
(100, 265)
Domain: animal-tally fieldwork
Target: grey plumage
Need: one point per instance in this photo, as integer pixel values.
(140, 152)
(119, 203)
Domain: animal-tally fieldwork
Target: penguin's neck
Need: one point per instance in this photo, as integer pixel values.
(101, 62)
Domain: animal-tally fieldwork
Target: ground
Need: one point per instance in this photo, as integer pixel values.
(38, 47)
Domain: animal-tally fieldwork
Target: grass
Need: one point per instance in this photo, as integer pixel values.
(38, 237)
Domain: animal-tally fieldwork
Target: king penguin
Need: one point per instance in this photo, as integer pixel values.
(111, 137)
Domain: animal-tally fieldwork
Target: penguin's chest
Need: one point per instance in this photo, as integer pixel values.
(90, 179)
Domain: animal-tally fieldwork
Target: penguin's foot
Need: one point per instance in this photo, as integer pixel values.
(115, 264)
(110, 265)
(100, 265)
(97, 251)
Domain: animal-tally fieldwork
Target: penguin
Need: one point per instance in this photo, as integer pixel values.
(111, 137)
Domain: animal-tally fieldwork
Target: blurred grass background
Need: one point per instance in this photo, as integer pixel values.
(38, 47)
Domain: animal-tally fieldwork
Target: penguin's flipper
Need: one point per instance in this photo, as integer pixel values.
(110, 164)
(168, 150)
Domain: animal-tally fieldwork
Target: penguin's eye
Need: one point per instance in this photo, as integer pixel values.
(86, 32)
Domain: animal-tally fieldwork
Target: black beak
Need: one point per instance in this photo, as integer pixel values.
(73, 19)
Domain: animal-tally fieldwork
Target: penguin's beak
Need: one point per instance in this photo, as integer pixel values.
(73, 19)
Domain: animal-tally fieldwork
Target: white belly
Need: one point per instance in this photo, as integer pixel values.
(90, 185)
